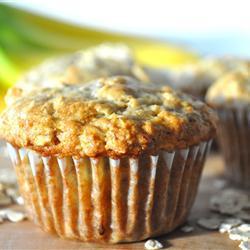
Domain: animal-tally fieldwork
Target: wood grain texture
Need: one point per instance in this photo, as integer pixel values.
(25, 235)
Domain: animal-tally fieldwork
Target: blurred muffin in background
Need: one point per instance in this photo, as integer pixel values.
(196, 78)
(230, 96)
(80, 67)
(118, 59)
(112, 160)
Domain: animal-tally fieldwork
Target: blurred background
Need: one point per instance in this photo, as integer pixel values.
(161, 33)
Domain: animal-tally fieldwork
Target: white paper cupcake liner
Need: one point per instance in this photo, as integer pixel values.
(109, 200)
(234, 138)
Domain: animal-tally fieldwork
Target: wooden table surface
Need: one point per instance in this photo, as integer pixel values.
(25, 235)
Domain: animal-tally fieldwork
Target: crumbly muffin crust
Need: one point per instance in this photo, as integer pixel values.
(231, 90)
(80, 67)
(113, 117)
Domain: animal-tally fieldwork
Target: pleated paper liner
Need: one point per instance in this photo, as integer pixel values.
(234, 138)
(108, 200)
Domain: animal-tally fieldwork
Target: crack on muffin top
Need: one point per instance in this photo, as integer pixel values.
(115, 117)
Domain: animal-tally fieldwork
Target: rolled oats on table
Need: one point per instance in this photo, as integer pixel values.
(229, 202)
(241, 233)
(152, 244)
(15, 216)
(228, 224)
(219, 184)
(244, 245)
(9, 195)
(187, 229)
(210, 223)
(235, 204)
(12, 215)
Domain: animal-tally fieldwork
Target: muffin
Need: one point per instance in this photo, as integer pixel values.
(196, 78)
(80, 67)
(113, 160)
(230, 95)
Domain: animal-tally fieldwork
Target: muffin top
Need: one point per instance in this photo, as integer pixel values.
(231, 90)
(113, 117)
(79, 67)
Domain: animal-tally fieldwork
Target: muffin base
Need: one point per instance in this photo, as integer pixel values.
(234, 139)
(109, 200)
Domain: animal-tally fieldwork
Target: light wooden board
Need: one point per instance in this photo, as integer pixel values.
(25, 235)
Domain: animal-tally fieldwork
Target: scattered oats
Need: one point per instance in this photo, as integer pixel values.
(241, 232)
(235, 195)
(228, 224)
(245, 245)
(215, 202)
(187, 229)
(153, 244)
(230, 208)
(3, 213)
(209, 223)
(19, 200)
(12, 192)
(4, 200)
(236, 234)
(11, 215)
(15, 216)
(244, 227)
(219, 184)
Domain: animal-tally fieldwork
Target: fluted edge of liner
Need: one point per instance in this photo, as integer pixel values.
(109, 200)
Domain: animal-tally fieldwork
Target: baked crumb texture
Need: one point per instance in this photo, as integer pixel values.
(115, 117)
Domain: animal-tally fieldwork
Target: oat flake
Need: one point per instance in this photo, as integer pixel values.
(153, 244)
(187, 229)
(228, 224)
(245, 245)
(241, 232)
(14, 216)
(212, 223)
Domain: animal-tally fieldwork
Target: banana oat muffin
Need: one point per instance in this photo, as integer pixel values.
(80, 67)
(230, 95)
(113, 160)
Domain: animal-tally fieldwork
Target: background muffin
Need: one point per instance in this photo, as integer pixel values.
(230, 95)
(79, 67)
(109, 161)
(110, 59)
(196, 78)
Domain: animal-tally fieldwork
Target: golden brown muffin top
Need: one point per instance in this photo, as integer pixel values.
(83, 66)
(114, 117)
(231, 90)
